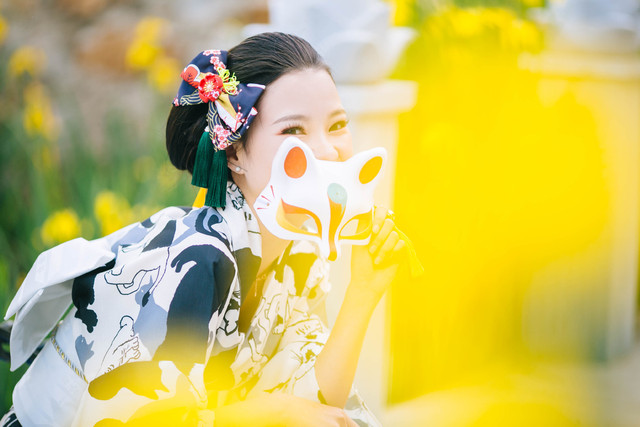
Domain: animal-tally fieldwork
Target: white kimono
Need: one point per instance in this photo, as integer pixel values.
(153, 321)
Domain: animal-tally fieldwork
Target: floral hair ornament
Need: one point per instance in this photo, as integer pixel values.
(206, 80)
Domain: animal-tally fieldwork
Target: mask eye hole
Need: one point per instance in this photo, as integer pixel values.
(358, 227)
(298, 220)
(308, 222)
(350, 228)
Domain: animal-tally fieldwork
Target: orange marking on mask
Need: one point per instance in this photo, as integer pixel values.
(370, 170)
(295, 164)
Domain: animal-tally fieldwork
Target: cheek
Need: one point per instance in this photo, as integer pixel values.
(263, 174)
(260, 160)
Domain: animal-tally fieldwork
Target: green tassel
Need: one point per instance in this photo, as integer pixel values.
(210, 171)
(202, 165)
(218, 176)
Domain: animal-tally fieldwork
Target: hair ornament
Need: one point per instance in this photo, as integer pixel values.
(207, 80)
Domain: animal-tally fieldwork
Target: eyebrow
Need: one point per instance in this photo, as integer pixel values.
(302, 117)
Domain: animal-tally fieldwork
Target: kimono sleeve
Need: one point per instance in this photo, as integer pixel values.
(158, 393)
(169, 389)
(292, 368)
(45, 294)
(302, 342)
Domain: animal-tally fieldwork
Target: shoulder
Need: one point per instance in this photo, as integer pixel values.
(177, 244)
(185, 224)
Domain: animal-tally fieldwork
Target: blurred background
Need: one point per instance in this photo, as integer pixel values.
(512, 126)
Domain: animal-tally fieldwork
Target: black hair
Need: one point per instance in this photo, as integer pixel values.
(260, 59)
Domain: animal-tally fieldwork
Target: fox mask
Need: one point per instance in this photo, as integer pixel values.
(334, 200)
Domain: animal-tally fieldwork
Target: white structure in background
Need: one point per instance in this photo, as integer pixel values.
(353, 36)
(593, 25)
(356, 40)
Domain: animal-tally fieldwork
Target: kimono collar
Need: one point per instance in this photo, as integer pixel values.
(245, 241)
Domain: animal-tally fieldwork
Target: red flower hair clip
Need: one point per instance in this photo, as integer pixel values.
(210, 87)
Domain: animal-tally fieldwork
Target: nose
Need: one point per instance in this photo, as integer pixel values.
(323, 149)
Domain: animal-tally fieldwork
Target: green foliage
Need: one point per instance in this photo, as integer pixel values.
(51, 169)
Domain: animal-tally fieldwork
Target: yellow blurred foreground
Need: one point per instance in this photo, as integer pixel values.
(518, 181)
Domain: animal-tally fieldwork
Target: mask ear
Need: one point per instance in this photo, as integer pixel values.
(369, 165)
(295, 164)
(294, 158)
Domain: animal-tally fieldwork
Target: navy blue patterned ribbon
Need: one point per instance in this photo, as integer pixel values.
(231, 104)
(231, 110)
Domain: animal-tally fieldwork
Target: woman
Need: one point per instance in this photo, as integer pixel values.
(202, 315)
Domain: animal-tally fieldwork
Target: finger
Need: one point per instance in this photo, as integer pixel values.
(347, 421)
(399, 253)
(379, 214)
(399, 247)
(337, 417)
(387, 247)
(387, 227)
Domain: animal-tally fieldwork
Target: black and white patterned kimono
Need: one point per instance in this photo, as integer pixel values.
(153, 321)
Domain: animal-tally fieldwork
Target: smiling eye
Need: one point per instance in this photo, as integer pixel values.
(293, 130)
(339, 125)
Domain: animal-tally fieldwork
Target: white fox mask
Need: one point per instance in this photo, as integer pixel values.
(336, 196)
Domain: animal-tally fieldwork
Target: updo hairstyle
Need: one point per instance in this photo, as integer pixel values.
(260, 59)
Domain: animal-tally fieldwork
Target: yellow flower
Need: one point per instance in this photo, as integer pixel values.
(466, 22)
(145, 48)
(498, 17)
(112, 212)
(485, 24)
(141, 54)
(4, 29)
(523, 35)
(61, 226)
(27, 60)
(533, 3)
(403, 9)
(38, 117)
(164, 74)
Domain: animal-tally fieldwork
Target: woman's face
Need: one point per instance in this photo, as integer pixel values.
(304, 104)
